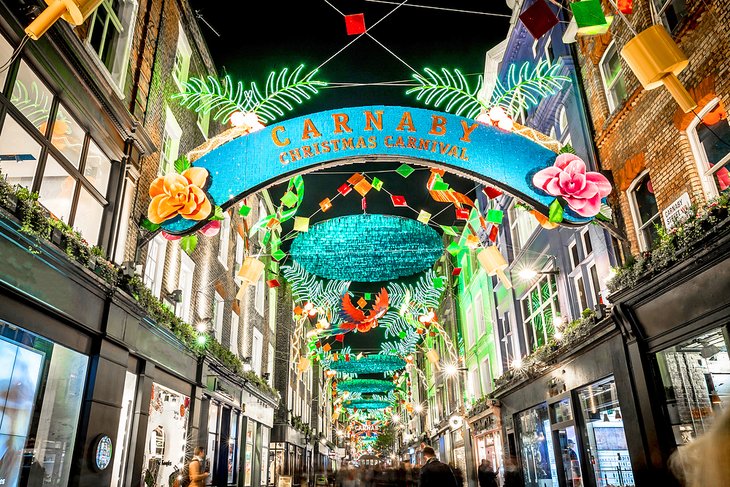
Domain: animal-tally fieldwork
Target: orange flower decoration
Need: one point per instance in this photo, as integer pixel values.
(179, 194)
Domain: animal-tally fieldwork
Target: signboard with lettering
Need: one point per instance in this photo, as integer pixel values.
(677, 211)
(462, 145)
(257, 409)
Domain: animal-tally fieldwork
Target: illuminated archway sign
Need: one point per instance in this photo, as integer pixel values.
(350, 135)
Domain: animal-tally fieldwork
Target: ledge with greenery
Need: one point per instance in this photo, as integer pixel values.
(684, 239)
(535, 364)
(37, 222)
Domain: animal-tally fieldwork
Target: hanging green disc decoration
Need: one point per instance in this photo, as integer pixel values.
(366, 386)
(366, 404)
(369, 364)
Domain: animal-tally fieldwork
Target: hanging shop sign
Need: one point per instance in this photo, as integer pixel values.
(468, 147)
(103, 452)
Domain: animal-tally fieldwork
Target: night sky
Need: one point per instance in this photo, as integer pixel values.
(309, 32)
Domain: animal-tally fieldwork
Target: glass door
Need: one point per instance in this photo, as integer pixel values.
(566, 440)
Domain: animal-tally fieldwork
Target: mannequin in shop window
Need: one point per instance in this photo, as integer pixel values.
(704, 461)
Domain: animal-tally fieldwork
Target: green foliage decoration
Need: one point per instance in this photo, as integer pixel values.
(524, 88)
(449, 88)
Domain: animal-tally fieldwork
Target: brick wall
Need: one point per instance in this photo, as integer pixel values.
(648, 131)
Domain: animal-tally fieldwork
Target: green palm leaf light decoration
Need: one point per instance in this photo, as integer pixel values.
(224, 98)
(522, 88)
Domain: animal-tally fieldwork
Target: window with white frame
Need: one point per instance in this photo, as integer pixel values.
(479, 315)
(110, 34)
(270, 364)
(224, 238)
(709, 136)
(185, 284)
(155, 264)
(235, 321)
(539, 306)
(548, 49)
(170, 143)
(260, 293)
(613, 79)
(574, 257)
(257, 346)
(595, 285)
(474, 390)
(505, 340)
(585, 237)
(580, 292)
(218, 307)
(644, 210)
(181, 65)
(486, 373)
(670, 12)
(522, 226)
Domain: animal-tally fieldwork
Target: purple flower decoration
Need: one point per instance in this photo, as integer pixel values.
(583, 191)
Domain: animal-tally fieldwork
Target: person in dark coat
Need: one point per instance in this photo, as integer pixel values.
(487, 476)
(435, 473)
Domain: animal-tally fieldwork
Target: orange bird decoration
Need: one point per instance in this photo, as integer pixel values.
(356, 319)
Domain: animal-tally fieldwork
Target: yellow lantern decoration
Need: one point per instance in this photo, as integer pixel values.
(72, 11)
(492, 261)
(303, 364)
(656, 60)
(433, 357)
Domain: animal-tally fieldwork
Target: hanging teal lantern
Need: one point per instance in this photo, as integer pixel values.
(367, 248)
(366, 404)
(366, 386)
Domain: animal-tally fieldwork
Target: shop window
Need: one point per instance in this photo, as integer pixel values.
(32, 97)
(604, 439)
(224, 238)
(6, 52)
(155, 264)
(522, 226)
(644, 210)
(96, 168)
(124, 432)
(248, 466)
(696, 379)
(68, 137)
(257, 347)
(182, 58)
(536, 447)
(167, 434)
(218, 308)
(89, 213)
(19, 154)
(670, 12)
(539, 306)
(58, 189)
(41, 391)
(709, 135)
(235, 320)
(567, 444)
(613, 78)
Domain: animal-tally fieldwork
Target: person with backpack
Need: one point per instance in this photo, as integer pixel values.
(194, 474)
(435, 473)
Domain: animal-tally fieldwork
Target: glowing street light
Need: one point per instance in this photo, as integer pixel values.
(516, 364)
(395, 419)
(527, 274)
(451, 370)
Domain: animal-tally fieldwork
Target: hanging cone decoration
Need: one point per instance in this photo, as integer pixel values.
(493, 263)
(656, 60)
(250, 270)
(433, 357)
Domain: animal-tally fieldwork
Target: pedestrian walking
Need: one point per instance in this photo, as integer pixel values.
(435, 473)
(486, 474)
(195, 472)
(512, 473)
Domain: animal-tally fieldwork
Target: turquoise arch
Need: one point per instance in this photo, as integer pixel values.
(359, 134)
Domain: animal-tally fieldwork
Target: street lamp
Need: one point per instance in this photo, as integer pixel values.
(528, 272)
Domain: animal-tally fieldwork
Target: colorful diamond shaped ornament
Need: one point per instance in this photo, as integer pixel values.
(495, 216)
(456, 271)
(448, 230)
(462, 214)
(589, 17)
(361, 302)
(398, 200)
(405, 170)
(424, 217)
(377, 184)
(272, 283)
(363, 187)
(289, 199)
(453, 248)
(344, 189)
(355, 24)
(539, 19)
(278, 255)
(355, 178)
(325, 204)
(301, 224)
(244, 211)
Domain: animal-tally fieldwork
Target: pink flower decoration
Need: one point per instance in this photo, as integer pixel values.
(583, 191)
(211, 229)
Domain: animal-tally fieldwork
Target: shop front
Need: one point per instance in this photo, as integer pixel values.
(677, 331)
(580, 427)
(222, 400)
(258, 419)
(486, 431)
